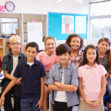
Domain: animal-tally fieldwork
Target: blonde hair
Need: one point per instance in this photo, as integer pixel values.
(14, 38)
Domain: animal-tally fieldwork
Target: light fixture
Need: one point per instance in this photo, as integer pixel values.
(56, 1)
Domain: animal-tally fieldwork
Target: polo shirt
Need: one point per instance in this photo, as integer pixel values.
(31, 75)
(91, 80)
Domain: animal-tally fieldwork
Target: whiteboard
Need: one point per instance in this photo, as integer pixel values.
(34, 32)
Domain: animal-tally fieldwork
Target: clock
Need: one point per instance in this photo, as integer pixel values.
(10, 6)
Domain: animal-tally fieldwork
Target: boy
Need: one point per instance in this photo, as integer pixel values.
(32, 75)
(9, 64)
(63, 80)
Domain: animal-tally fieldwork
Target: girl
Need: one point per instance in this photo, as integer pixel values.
(76, 43)
(105, 60)
(48, 58)
(9, 63)
(91, 81)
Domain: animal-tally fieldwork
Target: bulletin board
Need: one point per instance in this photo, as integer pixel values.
(60, 25)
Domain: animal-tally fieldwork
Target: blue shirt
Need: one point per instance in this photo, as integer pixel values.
(70, 78)
(31, 75)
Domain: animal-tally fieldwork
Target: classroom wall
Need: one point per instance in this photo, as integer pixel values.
(45, 6)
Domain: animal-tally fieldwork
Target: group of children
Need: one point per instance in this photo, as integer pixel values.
(60, 71)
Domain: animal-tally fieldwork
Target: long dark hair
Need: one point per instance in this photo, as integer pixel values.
(85, 61)
(108, 52)
(108, 41)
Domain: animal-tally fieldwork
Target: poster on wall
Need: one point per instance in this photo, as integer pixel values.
(80, 24)
(35, 33)
(67, 24)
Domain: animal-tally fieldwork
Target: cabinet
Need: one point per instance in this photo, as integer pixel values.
(2, 51)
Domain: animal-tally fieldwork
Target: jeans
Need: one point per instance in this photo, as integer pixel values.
(29, 104)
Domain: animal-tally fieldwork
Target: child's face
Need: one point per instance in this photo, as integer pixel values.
(50, 45)
(91, 55)
(64, 58)
(31, 54)
(75, 43)
(103, 46)
(15, 46)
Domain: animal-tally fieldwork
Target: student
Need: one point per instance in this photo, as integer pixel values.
(91, 81)
(48, 58)
(9, 64)
(63, 80)
(105, 60)
(32, 75)
(76, 43)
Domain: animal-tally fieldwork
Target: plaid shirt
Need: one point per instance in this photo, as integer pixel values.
(76, 60)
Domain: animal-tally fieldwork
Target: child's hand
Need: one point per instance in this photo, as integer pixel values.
(91, 104)
(96, 103)
(58, 84)
(18, 82)
(2, 99)
(39, 104)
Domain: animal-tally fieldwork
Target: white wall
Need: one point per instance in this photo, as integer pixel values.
(45, 6)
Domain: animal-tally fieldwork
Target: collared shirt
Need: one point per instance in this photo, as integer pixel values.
(91, 80)
(31, 78)
(7, 63)
(70, 78)
(76, 60)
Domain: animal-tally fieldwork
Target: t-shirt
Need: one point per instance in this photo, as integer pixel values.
(91, 80)
(15, 62)
(46, 60)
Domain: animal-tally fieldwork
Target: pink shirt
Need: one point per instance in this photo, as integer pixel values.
(91, 80)
(46, 60)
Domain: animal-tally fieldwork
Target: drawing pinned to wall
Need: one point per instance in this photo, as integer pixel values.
(80, 24)
(67, 24)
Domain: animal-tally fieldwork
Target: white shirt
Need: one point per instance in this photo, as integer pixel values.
(15, 62)
(61, 95)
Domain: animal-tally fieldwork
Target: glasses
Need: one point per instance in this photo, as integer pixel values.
(14, 43)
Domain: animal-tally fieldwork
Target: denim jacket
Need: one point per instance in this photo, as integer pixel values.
(70, 78)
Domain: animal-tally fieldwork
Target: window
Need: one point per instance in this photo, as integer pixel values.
(100, 19)
(8, 26)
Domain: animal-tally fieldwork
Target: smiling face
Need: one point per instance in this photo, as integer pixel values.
(50, 45)
(91, 55)
(64, 58)
(15, 46)
(75, 43)
(103, 47)
(31, 54)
